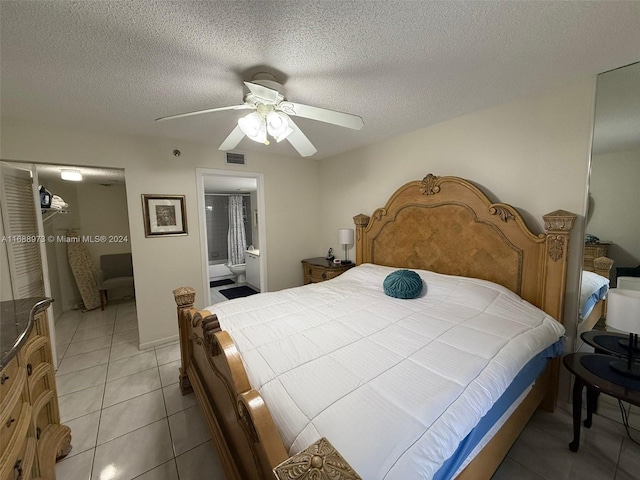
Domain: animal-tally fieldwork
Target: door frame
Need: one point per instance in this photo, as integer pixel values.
(201, 173)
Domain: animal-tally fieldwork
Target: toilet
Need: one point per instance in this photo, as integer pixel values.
(239, 270)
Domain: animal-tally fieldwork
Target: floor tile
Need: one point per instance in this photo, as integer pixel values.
(175, 401)
(130, 336)
(85, 360)
(554, 461)
(63, 337)
(133, 454)
(76, 381)
(200, 463)
(130, 415)
(131, 386)
(188, 430)
(168, 354)
(629, 464)
(79, 404)
(90, 333)
(121, 327)
(124, 350)
(169, 373)
(510, 470)
(96, 323)
(130, 365)
(166, 471)
(87, 346)
(84, 431)
(77, 467)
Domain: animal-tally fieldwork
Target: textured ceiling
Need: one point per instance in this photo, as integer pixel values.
(401, 65)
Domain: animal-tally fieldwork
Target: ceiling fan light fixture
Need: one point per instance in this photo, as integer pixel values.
(277, 123)
(250, 125)
(284, 135)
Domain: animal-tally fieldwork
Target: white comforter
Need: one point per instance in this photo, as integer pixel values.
(394, 384)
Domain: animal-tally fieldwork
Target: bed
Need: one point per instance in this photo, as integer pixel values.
(594, 286)
(447, 230)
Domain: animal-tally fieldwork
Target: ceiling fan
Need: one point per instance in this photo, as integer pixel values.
(271, 116)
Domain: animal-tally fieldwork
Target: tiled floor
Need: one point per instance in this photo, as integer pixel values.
(127, 416)
(129, 420)
(606, 453)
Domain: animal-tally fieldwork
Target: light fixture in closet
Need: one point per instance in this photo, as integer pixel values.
(71, 175)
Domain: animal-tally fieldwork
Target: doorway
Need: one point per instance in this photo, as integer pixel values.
(215, 189)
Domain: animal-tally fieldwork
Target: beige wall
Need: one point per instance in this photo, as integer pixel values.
(615, 193)
(532, 153)
(162, 264)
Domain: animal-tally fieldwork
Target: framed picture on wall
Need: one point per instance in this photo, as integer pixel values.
(164, 215)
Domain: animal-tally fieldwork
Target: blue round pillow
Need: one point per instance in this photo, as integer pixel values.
(403, 284)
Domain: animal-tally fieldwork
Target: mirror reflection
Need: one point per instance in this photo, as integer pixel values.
(612, 241)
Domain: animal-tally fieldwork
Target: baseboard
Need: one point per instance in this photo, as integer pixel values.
(158, 343)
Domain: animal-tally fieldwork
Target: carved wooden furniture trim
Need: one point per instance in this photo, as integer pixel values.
(593, 251)
(320, 460)
(443, 224)
(32, 437)
(319, 269)
(601, 266)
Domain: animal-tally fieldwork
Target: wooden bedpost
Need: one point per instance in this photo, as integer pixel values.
(602, 266)
(558, 225)
(361, 221)
(185, 298)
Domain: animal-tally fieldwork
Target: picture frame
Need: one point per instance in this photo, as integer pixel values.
(164, 215)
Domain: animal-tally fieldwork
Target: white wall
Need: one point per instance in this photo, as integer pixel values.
(532, 153)
(164, 263)
(615, 192)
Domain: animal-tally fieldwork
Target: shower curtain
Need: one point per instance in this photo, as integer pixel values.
(237, 239)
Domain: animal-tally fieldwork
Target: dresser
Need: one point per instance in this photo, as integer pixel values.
(593, 251)
(320, 269)
(31, 436)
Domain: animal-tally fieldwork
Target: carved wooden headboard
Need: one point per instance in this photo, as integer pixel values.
(447, 225)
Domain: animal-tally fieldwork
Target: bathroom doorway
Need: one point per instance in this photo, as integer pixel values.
(233, 243)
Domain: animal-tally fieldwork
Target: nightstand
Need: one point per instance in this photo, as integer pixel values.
(320, 269)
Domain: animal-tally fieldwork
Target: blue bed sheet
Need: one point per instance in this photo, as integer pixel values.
(520, 383)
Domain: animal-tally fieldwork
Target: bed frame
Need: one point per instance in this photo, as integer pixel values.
(442, 224)
(601, 266)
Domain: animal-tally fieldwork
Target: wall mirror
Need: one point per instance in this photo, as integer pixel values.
(613, 215)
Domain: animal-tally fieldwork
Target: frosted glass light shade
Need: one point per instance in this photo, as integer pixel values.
(345, 235)
(251, 126)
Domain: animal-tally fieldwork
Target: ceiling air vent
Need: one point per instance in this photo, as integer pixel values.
(235, 159)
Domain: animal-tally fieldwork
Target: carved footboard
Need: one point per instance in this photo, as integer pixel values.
(240, 424)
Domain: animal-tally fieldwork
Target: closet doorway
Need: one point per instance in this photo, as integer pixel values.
(232, 230)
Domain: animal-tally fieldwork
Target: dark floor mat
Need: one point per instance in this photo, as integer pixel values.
(219, 283)
(237, 292)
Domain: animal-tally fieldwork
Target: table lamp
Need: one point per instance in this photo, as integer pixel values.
(345, 235)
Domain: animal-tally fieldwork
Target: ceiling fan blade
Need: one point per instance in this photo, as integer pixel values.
(232, 140)
(322, 115)
(244, 106)
(300, 142)
(265, 93)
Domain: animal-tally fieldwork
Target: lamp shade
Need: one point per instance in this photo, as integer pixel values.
(345, 235)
